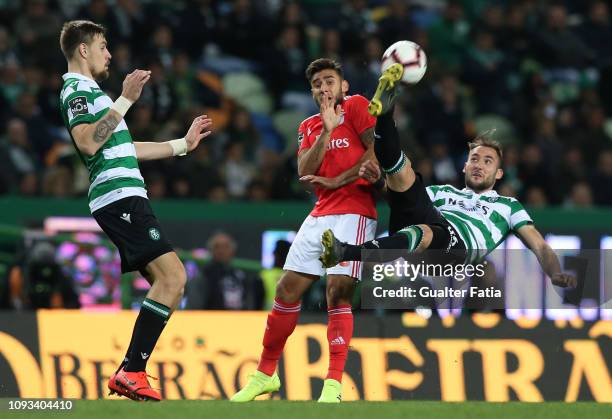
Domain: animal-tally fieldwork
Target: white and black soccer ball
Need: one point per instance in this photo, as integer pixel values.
(411, 56)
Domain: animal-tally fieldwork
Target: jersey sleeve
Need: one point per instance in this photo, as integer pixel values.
(304, 141)
(359, 115)
(78, 106)
(432, 191)
(518, 215)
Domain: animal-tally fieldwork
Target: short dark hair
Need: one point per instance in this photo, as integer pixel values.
(484, 139)
(323, 64)
(77, 32)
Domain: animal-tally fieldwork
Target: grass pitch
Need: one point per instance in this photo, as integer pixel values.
(104, 409)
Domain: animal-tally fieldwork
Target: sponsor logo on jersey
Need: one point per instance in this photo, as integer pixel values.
(337, 143)
(78, 106)
(469, 206)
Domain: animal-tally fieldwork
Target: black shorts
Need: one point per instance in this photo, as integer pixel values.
(412, 207)
(131, 225)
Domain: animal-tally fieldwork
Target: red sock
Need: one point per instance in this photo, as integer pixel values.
(281, 323)
(339, 334)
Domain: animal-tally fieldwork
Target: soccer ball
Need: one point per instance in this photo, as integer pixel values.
(411, 56)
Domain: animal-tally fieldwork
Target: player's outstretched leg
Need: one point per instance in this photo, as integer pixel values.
(412, 238)
(386, 91)
(394, 164)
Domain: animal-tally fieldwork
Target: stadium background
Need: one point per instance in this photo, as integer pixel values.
(538, 71)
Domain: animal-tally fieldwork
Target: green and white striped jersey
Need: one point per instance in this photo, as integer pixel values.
(483, 221)
(113, 170)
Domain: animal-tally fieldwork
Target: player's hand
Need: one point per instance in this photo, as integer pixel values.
(330, 113)
(564, 280)
(320, 181)
(133, 84)
(199, 129)
(370, 171)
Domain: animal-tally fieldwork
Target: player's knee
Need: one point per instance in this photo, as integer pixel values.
(286, 293)
(173, 279)
(338, 293)
(402, 180)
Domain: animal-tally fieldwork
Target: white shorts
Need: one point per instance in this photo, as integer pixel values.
(305, 250)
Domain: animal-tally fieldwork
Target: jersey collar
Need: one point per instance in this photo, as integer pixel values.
(77, 76)
(489, 194)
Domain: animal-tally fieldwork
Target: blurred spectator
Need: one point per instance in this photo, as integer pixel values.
(593, 136)
(37, 30)
(581, 196)
(439, 116)
(596, 32)
(198, 26)
(237, 171)
(532, 171)
(535, 197)
(511, 170)
(397, 25)
(271, 276)
(602, 179)
(257, 191)
(556, 45)
(12, 84)
(132, 23)
(485, 69)
(100, 12)
(41, 139)
(286, 63)
(7, 50)
(449, 36)
(57, 182)
(158, 93)
(244, 32)
(20, 157)
(443, 166)
(222, 286)
(183, 81)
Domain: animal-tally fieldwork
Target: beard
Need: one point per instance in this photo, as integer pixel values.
(101, 75)
(480, 186)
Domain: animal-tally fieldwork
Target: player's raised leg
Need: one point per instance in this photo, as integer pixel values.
(168, 281)
(280, 325)
(394, 163)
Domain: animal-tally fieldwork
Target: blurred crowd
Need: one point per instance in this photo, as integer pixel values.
(537, 71)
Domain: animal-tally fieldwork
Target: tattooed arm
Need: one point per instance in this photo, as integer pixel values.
(90, 137)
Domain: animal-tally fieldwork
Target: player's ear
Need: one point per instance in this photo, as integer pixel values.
(345, 87)
(464, 166)
(83, 49)
(499, 174)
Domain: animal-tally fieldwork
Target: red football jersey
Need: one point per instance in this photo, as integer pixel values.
(344, 150)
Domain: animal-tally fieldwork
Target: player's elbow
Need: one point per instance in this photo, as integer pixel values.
(303, 170)
(87, 148)
(83, 140)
